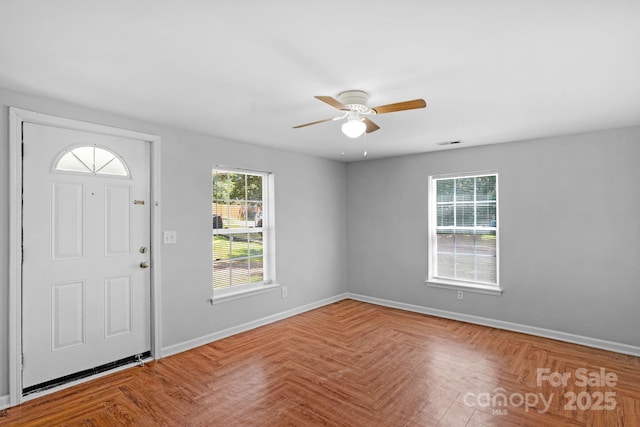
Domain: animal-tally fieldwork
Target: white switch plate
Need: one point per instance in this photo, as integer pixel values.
(170, 237)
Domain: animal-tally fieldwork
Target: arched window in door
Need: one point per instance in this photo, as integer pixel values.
(91, 159)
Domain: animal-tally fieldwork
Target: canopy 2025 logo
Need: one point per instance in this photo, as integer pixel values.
(594, 401)
(499, 400)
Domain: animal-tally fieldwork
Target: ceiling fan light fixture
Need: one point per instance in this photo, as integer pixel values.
(353, 128)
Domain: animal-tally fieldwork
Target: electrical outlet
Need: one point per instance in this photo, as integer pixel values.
(460, 295)
(284, 291)
(170, 237)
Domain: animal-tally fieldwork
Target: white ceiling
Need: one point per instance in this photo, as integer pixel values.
(491, 71)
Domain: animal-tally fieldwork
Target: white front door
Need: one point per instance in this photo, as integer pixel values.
(86, 231)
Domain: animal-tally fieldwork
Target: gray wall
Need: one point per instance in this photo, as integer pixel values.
(569, 229)
(310, 192)
(569, 232)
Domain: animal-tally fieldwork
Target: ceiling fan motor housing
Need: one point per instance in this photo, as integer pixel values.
(355, 100)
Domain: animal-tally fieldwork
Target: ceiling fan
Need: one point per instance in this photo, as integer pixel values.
(353, 104)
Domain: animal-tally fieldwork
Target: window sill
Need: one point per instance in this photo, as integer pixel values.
(243, 293)
(464, 286)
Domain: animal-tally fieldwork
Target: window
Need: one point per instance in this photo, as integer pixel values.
(463, 231)
(91, 159)
(242, 242)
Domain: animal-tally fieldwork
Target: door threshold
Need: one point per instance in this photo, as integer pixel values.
(29, 393)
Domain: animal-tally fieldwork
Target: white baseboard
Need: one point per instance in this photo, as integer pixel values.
(4, 401)
(499, 324)
(206, 339)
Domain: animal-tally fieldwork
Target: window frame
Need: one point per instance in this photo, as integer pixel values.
(268, 237)
(449, 283)
(70, 150)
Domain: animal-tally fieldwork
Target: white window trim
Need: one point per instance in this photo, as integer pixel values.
(248, 290)
(459, 285)
(231, 293)
(453, 284)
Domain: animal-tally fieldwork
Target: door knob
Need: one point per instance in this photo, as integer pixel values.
(144, 264)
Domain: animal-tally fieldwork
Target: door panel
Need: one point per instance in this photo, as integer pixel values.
(118, 292)
(67, 221)
(86, 301)
(67, 315)
(118, 220)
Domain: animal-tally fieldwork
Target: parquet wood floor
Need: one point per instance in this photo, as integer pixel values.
(356, 364)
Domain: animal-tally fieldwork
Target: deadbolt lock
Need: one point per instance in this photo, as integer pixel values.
(143, 249)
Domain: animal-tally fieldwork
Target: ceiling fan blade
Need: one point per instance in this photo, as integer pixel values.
(371, 127)
(313, 123)
(400, 106)
(332, 101)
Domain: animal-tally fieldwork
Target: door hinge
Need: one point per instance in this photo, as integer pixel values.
(22, 362)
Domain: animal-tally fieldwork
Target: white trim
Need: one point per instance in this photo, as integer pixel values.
(232, 169)
(15, 256)
(269, 219)
(156, 253)
(465, 174)
(462, 286)
(500, 324)
(509, 326)
(206, 339)
(233, 294)
(17, 117)
(4, 401)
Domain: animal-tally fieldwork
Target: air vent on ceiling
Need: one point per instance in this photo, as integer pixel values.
(448, 142)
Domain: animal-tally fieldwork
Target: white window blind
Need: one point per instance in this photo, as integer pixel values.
(463, 228)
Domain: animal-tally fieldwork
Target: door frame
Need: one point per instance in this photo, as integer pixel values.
(17, 117)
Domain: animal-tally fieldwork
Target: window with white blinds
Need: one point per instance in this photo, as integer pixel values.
(463, 229)
(241, 230)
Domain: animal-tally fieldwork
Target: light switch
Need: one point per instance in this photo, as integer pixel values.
(170, 237)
